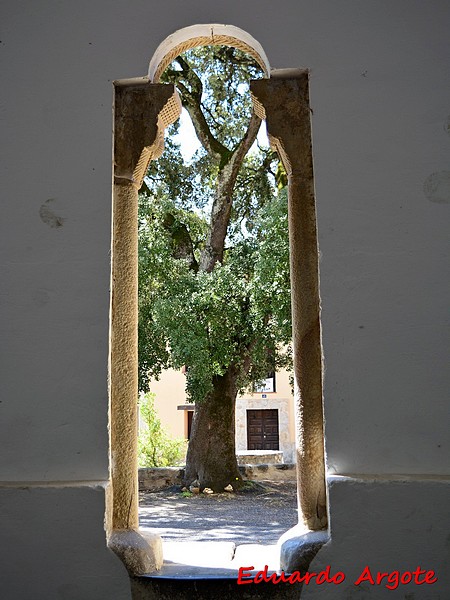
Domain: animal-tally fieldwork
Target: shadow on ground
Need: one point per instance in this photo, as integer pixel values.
(258, 515)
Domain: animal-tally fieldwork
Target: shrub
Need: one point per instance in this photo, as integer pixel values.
(155, 446)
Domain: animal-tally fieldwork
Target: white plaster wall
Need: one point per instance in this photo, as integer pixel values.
(53, 547)
(388, 526)
(379, 93)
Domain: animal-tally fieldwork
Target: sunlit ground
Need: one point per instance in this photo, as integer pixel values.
(242, 519)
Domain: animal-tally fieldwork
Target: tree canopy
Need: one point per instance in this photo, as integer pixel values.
(213, 240)
(209, 320)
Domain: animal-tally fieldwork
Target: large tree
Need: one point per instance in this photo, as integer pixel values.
(213, 257)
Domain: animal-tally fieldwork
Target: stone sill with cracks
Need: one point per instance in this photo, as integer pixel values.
(215, 574)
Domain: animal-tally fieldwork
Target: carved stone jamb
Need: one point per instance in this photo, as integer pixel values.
(141, 113)
(283, 101)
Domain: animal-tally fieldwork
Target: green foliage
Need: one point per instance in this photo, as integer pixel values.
(209, 321)
(271, 282)
(254, 189)
(155, 447)
(169, 177)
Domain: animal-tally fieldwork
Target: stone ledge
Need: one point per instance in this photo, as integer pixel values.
(273, 472)
(152, 479)
(157, 478)
(258, 457)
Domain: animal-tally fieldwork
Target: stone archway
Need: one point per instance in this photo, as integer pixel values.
(142, 111)
(205, 35)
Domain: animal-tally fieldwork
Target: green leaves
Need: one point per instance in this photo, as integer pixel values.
(209, 321)
(155, 447)
(272, 279)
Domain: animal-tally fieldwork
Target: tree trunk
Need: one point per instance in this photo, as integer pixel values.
(211, 457)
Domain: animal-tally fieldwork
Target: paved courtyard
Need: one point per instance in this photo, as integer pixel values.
(216, 534)
(259, 515)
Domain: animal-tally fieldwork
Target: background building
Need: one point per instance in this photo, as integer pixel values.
(264, 418)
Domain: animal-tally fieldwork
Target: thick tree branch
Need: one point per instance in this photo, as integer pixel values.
(223, 200)
(191, 98)
(191, 88)
(247, 141)
(214, 148)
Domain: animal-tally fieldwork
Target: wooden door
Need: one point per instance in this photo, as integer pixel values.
(262, 429)
(190, 416)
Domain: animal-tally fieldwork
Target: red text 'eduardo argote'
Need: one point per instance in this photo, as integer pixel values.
(391, 580)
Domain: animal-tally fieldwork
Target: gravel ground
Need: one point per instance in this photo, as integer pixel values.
(259, 514)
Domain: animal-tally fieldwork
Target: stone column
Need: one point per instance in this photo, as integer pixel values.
(283, 100)
(141, 113)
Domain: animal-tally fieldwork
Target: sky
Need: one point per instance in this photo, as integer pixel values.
(189, 142)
